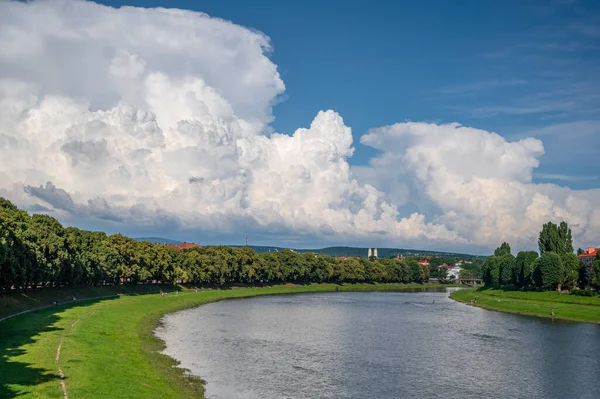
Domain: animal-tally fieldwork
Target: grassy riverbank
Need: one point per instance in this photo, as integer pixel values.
(105, 348)
(541, 304)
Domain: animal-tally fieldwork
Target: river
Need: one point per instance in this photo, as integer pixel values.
(380, 345)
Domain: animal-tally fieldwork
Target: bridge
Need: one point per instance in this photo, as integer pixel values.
(466, 281)
(471, 281)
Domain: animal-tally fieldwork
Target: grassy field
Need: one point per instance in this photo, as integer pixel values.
(541, 304)
(105, 348)
(40, 297)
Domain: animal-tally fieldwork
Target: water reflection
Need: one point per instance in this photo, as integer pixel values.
(380, 345)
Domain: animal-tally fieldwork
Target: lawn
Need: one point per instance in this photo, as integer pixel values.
(565, 306)
(107, 348)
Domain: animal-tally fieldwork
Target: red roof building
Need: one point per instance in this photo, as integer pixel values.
(589, 255)
(185, 245)
(423, 262)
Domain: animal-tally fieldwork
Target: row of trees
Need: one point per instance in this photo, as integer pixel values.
(36, 250)
(556, 266)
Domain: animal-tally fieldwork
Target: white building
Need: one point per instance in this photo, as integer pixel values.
(454, 273)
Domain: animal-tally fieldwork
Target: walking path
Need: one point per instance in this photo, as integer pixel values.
(60, 371)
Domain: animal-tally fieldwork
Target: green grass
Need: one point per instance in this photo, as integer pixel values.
(541, 304)
(39, 297)
(108, 349)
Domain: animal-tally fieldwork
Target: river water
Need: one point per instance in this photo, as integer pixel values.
(380, 345)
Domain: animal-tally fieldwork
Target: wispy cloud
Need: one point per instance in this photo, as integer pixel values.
(562, 177)
(579, 130)
(558, 58)
(491, 111)
(474, 87)
(589, 28)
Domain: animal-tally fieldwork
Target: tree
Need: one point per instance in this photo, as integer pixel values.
(466, 274)
(551, 270)
(580, 251)
(417, 271)
(475, 267)
(491, 271)
(596, 279)
(570, 269)
(587, 274)
(525, 269)
(508, 269)
(555, 238)
(502, 250)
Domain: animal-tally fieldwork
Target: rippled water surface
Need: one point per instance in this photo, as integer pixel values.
(380, 345)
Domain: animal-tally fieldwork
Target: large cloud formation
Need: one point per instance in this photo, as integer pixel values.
(160, 118)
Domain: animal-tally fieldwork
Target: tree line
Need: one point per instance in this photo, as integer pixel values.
(36, 250)
(555, 267)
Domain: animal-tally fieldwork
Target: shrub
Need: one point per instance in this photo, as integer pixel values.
(579, 292)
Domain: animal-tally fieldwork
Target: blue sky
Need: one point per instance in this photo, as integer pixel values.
(516, 68)
(155, 122)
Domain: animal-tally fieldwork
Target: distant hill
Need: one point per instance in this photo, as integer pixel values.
(158, 240)
(388, 252)
(339, 251)
(362, 252)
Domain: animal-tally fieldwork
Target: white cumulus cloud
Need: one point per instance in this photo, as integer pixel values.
(160, 119)
(477, 183)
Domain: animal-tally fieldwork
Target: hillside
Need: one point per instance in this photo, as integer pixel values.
(339, 251)
(159, 240)
(362, 252)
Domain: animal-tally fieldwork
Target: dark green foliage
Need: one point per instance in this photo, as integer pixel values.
(558, 266)
(551, 270)
(579, 292)
(502, 250)
(570, 264)
(474, 269)
(536, 276)
(556, 238)
(596, 279)
(587, 274)
(525, 261)
(468, 274)
(491, 271)
(507, 265)
(37, 250)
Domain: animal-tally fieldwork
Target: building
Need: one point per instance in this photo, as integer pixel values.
(185, 245)
(454, 272)
(375, 253)
(588, 257)
(369, 253)
(462, 262)
(423, 262)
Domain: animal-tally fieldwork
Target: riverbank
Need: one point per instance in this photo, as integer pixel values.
(106, 348)
(540, 304)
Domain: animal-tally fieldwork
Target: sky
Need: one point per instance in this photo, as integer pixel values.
(454, 126)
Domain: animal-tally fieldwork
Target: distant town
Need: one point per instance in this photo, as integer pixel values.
(441, 265)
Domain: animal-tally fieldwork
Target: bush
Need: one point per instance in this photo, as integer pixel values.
(579, 292)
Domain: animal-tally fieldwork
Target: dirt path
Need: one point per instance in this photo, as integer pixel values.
(60, 371)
